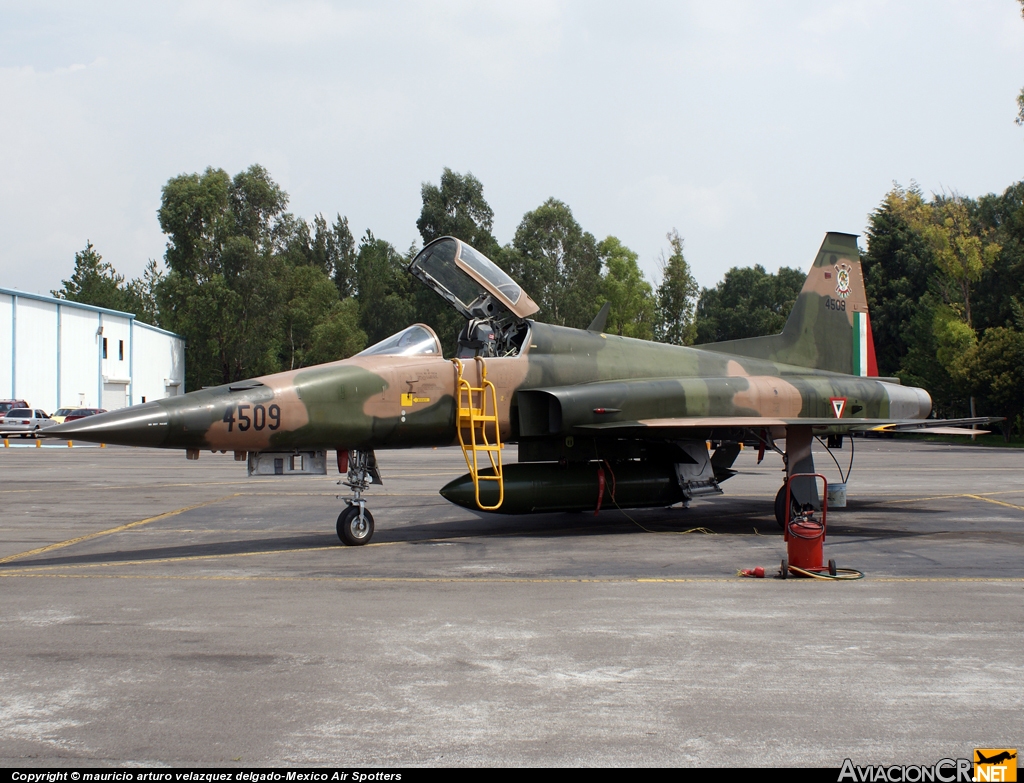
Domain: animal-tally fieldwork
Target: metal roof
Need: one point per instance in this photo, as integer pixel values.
(66, 303)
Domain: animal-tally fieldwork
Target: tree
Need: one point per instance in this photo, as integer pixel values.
(674, 321)
(749, 302)
(457, 208)
(141, 294)
(337, 335)
(341, 249)
(557, 263)
(382, 288)
(223, 290)
(1001, 284)
(962, 250)
(898, 267)
(995, 366)
(310, 297)
(94, 282)
(623, 285)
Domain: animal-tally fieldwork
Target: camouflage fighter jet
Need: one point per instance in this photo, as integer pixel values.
(598, 418)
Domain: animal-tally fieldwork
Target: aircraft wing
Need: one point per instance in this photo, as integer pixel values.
(824, 425)
(644, 407)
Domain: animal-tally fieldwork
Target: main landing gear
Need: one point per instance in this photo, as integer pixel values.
(355, 523)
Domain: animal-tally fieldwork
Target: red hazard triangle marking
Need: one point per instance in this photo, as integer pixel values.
(838, 405)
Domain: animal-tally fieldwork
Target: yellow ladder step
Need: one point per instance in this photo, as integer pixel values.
(475, 418)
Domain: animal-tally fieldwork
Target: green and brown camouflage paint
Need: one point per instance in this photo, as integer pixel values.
(379, 402)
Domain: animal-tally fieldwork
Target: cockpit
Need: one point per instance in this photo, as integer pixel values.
(494, 305)
(415, 340)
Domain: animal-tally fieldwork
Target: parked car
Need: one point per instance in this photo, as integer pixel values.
(81, 413)
(60, 414)
(6, 405)
(24, 421)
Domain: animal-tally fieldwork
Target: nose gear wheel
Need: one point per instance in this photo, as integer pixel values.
(355, 525)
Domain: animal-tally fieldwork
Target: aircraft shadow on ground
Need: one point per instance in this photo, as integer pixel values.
(609, 523)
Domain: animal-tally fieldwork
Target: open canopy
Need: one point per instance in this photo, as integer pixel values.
(474, 284)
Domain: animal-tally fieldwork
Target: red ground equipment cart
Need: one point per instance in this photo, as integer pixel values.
(804, 533)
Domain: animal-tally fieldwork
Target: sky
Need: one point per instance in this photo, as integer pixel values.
(751, 127)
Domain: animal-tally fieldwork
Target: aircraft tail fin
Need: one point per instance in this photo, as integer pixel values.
(829, 327)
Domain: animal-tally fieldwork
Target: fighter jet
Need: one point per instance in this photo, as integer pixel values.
(597, 418)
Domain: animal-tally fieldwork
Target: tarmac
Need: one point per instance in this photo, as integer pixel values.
(157, 611)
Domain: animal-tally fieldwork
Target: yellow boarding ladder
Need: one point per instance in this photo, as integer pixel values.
(472, 404)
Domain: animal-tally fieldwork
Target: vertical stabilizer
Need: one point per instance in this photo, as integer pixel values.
(829, 327)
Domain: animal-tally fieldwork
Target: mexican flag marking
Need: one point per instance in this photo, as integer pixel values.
(864, 362)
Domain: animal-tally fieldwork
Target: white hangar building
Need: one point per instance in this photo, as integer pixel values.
(55, 353)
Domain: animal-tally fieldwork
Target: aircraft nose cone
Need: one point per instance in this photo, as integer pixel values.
(140, 425)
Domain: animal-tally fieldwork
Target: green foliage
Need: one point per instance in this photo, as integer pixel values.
(961, 249)
(557, 263)
(631, 297)
(93, 282)
(227, 272)
(897, 267)
(337, 335)
(940, 273)
(382, 288)
(953, 338)
(310, 297)
(920, 367)
(995, 367)
(457, 208)
(749, 302)
(1001, 284)
(676, 298)
(341, 250)
(96, 282)
(141, 294)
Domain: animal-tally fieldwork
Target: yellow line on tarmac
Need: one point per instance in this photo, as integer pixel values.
(385, 579)
(944, 579)
(997, 502)
(964, 495)
(189, 558)
(928, 497)
(120, 528)
(223, 555)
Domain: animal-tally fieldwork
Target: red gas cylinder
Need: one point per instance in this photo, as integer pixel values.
(804, 544)
(805, 531)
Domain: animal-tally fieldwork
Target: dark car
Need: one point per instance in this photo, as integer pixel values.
(81, 413)
(6, 405)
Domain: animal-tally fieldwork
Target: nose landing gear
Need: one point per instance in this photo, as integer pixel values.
(355, 523)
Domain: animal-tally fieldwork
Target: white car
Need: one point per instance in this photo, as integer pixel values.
(24, 421)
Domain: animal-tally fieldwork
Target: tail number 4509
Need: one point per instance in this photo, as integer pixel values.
(261, 417)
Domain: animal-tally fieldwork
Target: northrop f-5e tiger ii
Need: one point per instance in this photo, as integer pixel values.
(598, 418)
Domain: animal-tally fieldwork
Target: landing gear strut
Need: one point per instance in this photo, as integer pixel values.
(355, 523)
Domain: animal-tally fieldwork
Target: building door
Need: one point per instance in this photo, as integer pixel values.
(115, 395)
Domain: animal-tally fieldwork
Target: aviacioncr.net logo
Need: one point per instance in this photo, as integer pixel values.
(942, 771)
